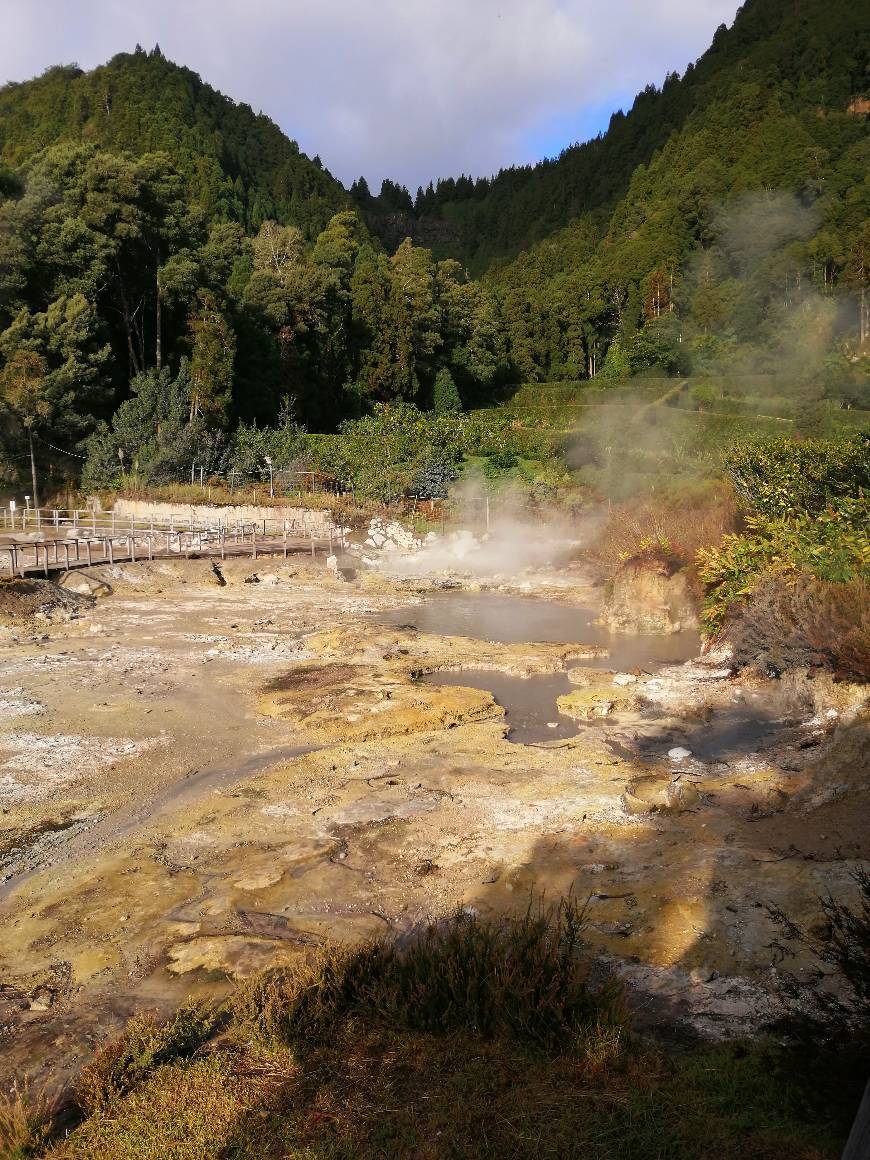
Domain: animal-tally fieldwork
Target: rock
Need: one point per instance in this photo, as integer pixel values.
(652, 793)
(584, 704)
(679, 753)
(625, 679)
(648, 595)
(42, 1000)
(270, 578)
(252, 579)
(84, 584)
(681, 795)
(702, 975)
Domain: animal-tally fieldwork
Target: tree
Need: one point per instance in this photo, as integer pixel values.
(446, 399)
(213, 346)
(22, 383)
(52, 375)
(152, 434)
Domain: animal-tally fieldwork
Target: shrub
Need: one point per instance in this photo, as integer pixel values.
(837, 1013)
(782, 478)
(798, 621)
(833, 545)
(498, 463)
(433, 479)
(520, 978)
(146, 1044)
(251, 446)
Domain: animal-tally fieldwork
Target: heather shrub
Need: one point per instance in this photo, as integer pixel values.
(145, 1045)
(796, 621)
(681, 526)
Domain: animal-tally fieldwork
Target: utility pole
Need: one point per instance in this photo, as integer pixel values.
(33, 468)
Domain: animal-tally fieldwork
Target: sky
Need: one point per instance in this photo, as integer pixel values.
(412, 90)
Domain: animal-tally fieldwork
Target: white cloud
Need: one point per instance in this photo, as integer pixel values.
(408, 89)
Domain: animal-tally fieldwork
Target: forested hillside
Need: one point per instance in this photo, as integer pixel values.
(804, 58)
(236, 164)
(169, 253)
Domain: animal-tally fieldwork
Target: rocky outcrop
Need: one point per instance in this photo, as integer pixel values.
(390, 536)
(649, 596)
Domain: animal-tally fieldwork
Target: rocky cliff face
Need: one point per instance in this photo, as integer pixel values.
(649, 596)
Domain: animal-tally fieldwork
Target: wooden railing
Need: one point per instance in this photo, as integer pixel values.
(112, 523)
(104, 538)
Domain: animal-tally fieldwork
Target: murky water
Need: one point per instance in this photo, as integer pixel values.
(530, 702)
(518, 619)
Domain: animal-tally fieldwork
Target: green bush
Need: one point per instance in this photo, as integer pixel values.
(787, 478)
(832, 545)
(252, 445)
(445, 397)
(398, 449)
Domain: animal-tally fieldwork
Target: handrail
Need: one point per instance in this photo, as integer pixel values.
(201, 541)
(39, 519)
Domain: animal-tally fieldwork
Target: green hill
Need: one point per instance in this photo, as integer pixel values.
(797, 66)
(238, 164)
(158, 240)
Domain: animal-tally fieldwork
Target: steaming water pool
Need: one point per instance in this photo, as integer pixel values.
(520, 619)
(530, 702)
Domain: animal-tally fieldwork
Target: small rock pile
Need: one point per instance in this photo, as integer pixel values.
(391, 536)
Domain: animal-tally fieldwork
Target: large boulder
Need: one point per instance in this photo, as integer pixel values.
(649, 595)
(84, 584)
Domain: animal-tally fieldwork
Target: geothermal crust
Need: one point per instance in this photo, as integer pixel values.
(199, 780)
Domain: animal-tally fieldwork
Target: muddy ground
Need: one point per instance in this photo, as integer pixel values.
(201, 776)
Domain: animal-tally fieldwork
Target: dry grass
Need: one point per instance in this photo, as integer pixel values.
(699, 520)
(519, 978)
(472, 1040)
(352, 510)
(369, 1092)
(26, 1122)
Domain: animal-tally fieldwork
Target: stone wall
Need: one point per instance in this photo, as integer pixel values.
(302, 520)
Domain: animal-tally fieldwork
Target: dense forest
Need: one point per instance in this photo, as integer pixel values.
(168, 256)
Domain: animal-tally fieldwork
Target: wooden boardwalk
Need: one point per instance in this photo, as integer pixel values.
(50, 542)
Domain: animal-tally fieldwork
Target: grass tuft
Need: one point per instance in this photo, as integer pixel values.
(518, 978)
(26, 1122)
